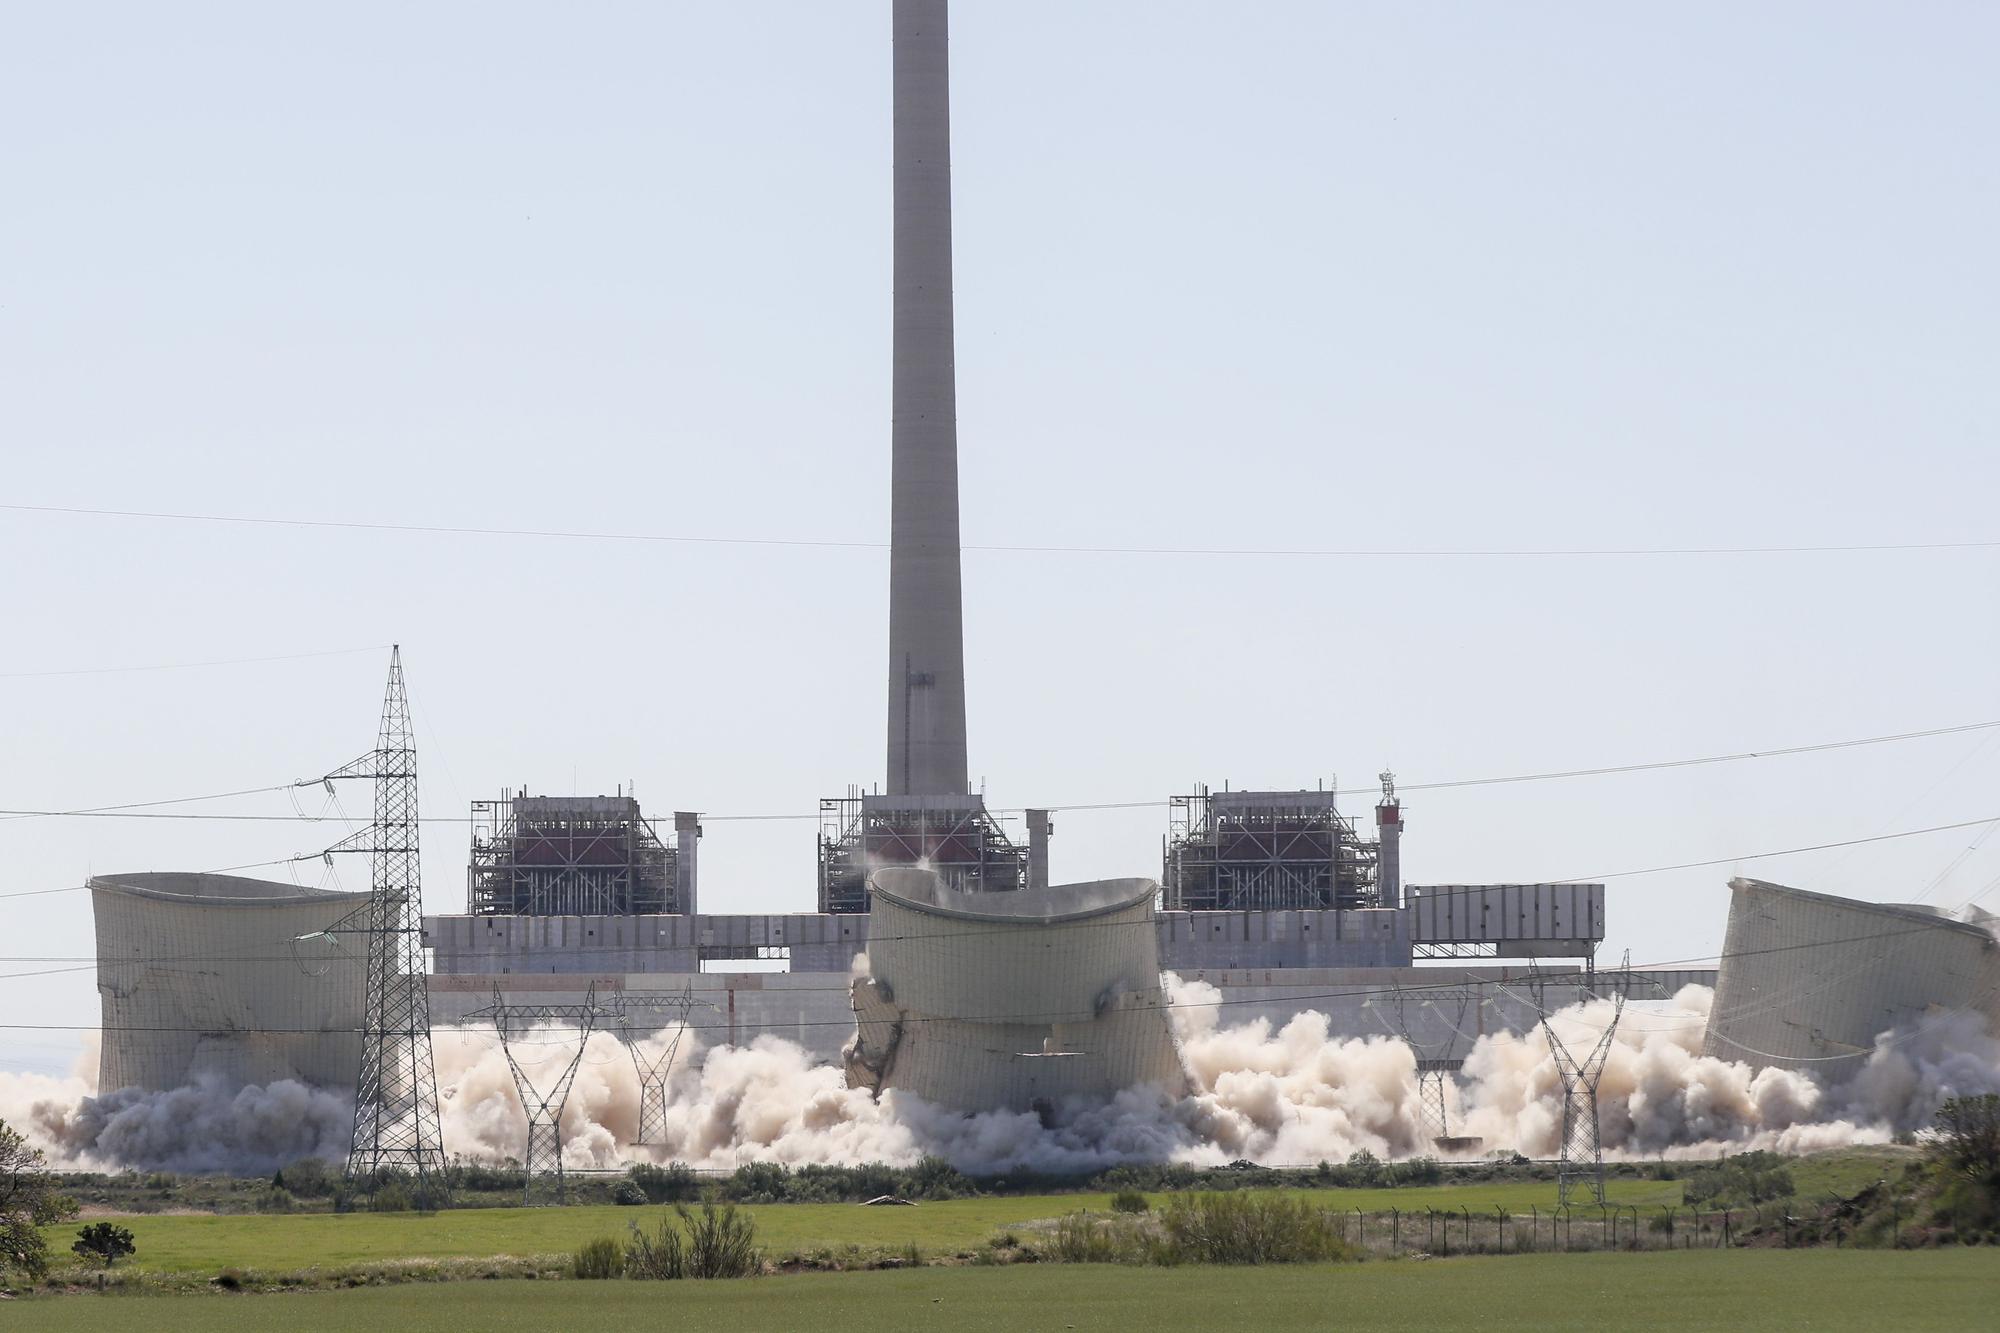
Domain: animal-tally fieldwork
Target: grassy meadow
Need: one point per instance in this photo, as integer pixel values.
(1703, 1290)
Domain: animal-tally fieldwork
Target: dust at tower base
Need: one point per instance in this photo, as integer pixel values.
(1011, 1001)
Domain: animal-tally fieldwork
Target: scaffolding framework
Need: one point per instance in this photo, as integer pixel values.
(1263, 850)
(568, 856)
(1580, 1160)
(541, 1162)
(953, 835)
(396, 1127)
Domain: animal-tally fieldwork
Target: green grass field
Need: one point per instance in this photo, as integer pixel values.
(1733, 1290)
(191, 1243)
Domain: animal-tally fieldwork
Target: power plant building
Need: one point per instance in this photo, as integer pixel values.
(205, 976)
(576, 856)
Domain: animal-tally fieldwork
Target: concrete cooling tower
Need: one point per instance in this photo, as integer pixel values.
(1808, 981)
(1020, 1000)
(200, 976)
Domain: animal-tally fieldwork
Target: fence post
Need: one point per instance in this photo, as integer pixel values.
(1500, 1223)
(1396, 1228)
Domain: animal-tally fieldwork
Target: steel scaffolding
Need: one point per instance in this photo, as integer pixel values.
(953, 835)
(568, 856)
(1261, 850)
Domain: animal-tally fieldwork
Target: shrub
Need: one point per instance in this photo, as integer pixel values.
(1083, 1239)
(628, 1194)
(1968, 1137)
(1747, 1178)
(1249, 1229)
(665, 1184)
(308, 1178)
(600, 1258)
(716, 1242)
(275, 1199)
(1129, 1201)
(391, 1196)
(105, 1242)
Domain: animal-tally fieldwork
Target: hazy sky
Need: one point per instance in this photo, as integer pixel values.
(1301, 275)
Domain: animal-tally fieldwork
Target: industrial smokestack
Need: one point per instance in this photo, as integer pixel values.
(926, 611)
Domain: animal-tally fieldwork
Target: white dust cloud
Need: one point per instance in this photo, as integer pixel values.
(1282, 1094)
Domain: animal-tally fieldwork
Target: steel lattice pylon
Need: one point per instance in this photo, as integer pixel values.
(396, 1127)
(654, 1070)
(1437, 1061)
(542, 1162)
(1581, 1159)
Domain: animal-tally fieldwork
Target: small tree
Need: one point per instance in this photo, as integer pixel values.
(104, 1242)
(1968, 1137)
(28, 1202)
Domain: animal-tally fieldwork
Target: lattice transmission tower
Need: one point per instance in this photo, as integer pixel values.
(542, 1162)
(654, 1069)
(1580, 1164)
(1438, 1057)
(397, 1133)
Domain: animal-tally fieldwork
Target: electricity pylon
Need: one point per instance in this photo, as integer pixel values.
(396, 1128)
(542, 1162)
(1580, 1163)
(654, 1070)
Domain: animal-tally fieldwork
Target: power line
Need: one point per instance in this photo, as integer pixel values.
(186, 666)
(119, 811)
(1765, 856)
(143, 805)
(562, 534)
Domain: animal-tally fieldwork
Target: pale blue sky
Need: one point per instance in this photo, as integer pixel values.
(1285, 274)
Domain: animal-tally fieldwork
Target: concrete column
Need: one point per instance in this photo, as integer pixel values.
(926, 612)
(687, 845)
(1039, 829)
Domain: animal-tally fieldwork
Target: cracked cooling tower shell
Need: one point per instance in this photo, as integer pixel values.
(1808, 980)
(204, 976)
(1013, 1001)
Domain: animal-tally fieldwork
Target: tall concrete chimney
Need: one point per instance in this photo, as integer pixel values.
(926, 609)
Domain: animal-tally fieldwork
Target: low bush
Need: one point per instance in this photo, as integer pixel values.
(1129, 1201)
(674, 1183)
(1746, 1179)
(628, 1194)
(715, 1242)
(1250, 1229)
(600, 1258)
(1084, 1239)
(308, 1178)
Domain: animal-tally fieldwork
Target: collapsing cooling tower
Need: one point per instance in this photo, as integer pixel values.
(1011, 1001)
(220, 977)
(1808, 981)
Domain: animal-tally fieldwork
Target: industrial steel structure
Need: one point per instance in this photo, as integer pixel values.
(397, 1131)
(1026, 1000)
(1580, 1143)
(1810, 981)
(542, 1101)
(952, 835)
(571, 856)
(1257, 850)
(205, 977)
